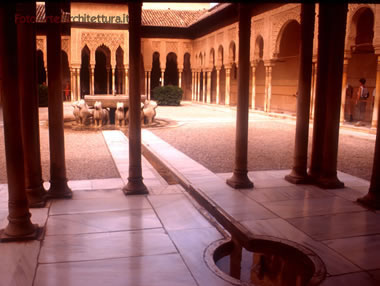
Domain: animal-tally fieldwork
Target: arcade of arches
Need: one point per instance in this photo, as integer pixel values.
(95, 61)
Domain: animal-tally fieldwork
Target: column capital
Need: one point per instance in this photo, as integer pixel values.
(269, 63)
(180, 70)
(228, 66)
(377, 49)
(254, 63)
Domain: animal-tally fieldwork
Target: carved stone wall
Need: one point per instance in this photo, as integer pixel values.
(279, 20)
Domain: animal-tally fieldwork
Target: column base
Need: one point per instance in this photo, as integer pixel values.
(240, 180)
(59, 190)
(19, 229)
(329, 182)
(135, 187)
(298, 178)
(37, 196)
(370, 200)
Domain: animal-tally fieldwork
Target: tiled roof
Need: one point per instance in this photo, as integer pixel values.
(40, 14)
(170, 18)
(158, 18)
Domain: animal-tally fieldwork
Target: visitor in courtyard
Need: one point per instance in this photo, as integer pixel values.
(351, 101)
(361, 98)
(67, 91)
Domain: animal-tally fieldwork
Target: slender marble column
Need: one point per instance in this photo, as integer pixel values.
(162, 77)
(19, 225)
(113, 87)
(135, 184)
(92, 69)
(228, 85)
(253, 87)
(58, 179)
(146, 84)
(199, 85)
(343, 93)
(72, 83)
(375, 116)
(35, 191)
(324, 155)
(268, 86)
(313, 88)
(126, 81)
(204, 91)
(180, 71)
(108, 80)
(208, 86)
(148, 88)
(240, 178)
(77, 71)
(298, 174)
(217, 85)
(46, 73)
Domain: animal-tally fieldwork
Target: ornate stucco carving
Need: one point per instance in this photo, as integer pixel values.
(279, 20)
(40, 45)
(172, 47)
(95, 39)
(65, 45)
(156, 46)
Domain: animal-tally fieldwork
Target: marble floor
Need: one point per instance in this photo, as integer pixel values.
(345, 235)
(102, 237)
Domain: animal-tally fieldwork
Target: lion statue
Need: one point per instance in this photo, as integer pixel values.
(101, 115)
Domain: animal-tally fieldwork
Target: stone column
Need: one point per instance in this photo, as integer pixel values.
(72, 83)
(313, 87)
(108, 80)
(268, 86)
(126, 81)
(162, 77)
(240, 178)
(27, 77)
(46, 73)
(192, 85)
(228, 85)
(58, 180)
(372, 198)
(298, 174)
(343, 93)
(198, 85)
(148, 88)
(204, 91)
(209, 86)
(113, 86)
(253, 83)
(19, 225)
(323, 168)
(92, 71)
(217, 85)
(180, 71)
(375, 114)
(77, 71)
(135, 184)
(145, 84)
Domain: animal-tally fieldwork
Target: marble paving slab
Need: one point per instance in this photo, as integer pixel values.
(176, 212)
(18, 263)
(364, 251)
(311, 207)
(95, 246)
(98, 205)
(157, 270)
(192, 243)
(339, 225)
(352, 279)
(102, 222)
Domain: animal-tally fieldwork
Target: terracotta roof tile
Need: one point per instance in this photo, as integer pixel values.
(170, 18)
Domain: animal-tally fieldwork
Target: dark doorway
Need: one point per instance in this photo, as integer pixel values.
(171, 71)
(85, 73)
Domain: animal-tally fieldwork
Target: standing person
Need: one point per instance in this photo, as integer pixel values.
(67, 91)
(351, 101)
(361, 98)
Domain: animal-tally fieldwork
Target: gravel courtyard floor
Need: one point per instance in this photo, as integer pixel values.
(206, 133)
